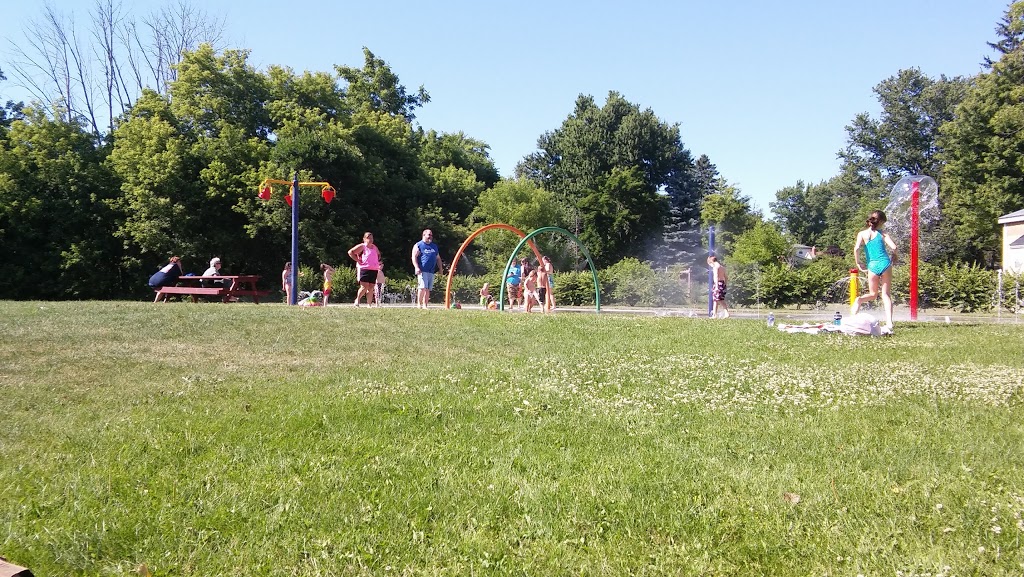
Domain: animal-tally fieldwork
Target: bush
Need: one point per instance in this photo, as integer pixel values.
(744, 281)
(630, 282)
(826, 279)
(669, 289)
(966, 288)
(954, 286)
(575, 288)
(775, 286)
(1012, 297)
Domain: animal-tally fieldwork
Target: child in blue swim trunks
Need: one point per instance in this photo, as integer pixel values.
(880, 254)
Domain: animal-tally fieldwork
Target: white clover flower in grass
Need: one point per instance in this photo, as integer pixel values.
(996, 529)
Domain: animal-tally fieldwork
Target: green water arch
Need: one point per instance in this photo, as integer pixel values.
(563, 232)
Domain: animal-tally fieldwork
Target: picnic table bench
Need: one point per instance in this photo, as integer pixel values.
(240, 285)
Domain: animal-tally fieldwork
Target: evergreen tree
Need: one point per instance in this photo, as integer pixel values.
(681, 239)
(1010, 31)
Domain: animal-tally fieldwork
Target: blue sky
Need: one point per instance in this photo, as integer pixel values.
(764, 89)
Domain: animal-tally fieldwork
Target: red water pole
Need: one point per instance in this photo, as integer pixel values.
(915, 201)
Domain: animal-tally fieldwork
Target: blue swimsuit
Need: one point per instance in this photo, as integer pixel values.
(878, 257)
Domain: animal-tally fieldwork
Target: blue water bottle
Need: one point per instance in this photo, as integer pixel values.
(837, 319)
(771, 319)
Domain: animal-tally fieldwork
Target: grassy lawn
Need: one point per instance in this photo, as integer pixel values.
(219, 439)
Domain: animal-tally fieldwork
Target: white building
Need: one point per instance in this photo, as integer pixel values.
(1013, 242)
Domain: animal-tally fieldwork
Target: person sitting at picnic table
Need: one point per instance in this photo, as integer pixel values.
(214, 270)
(166, 276)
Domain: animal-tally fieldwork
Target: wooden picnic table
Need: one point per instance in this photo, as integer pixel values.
(237, 286)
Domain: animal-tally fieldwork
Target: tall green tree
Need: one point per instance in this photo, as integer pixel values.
(519, 203)
(151, 159)
(763, 245)
(801, 210)
(459, 169)
(56, 226)
(607, 165)
(376, 87)
(620, 216)
(904, 139)
(438, 150)
(705, 176)
(828, 213)
(982, 147)
(189, 162)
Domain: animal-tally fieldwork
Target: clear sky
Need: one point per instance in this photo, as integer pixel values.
(765, 89)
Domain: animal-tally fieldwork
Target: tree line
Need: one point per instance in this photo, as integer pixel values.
(100, 186)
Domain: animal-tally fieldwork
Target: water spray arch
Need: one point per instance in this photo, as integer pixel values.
(465, 245)
(563, 232)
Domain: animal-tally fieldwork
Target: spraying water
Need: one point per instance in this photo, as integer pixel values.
(913, 209)
(899, 213)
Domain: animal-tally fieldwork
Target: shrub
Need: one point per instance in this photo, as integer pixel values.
(963, 288)
(744, 281)
(967, 288)
(466, 288)
(575, 288)
(310, 279)
(343, 284)
(775, 286)
(630, 282)
(824, 279)
(1012, 297)
(669, 289)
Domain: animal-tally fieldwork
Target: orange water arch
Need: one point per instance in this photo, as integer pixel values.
(458, 254)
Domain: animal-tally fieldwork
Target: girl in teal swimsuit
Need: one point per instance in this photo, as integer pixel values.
(880, 253)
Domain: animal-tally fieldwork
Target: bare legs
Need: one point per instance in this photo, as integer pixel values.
(877, 285)
(422, 298)
(367, 289)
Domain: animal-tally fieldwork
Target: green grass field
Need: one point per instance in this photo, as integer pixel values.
(219, 439)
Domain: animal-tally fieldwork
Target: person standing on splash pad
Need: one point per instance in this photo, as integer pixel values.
(720, 281)
(367, 257)
(426, 259)
(880, 253)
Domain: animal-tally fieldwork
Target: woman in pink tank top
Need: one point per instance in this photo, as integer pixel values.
(367, 257)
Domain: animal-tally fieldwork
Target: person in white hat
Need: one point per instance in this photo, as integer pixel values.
(214, 269)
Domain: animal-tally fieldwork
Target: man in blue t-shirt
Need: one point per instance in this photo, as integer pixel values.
(425, 260)
(515, 286)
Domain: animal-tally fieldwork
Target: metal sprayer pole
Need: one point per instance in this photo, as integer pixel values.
(295, 240)
(999, 295)
(915, 201)
(711, 274)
